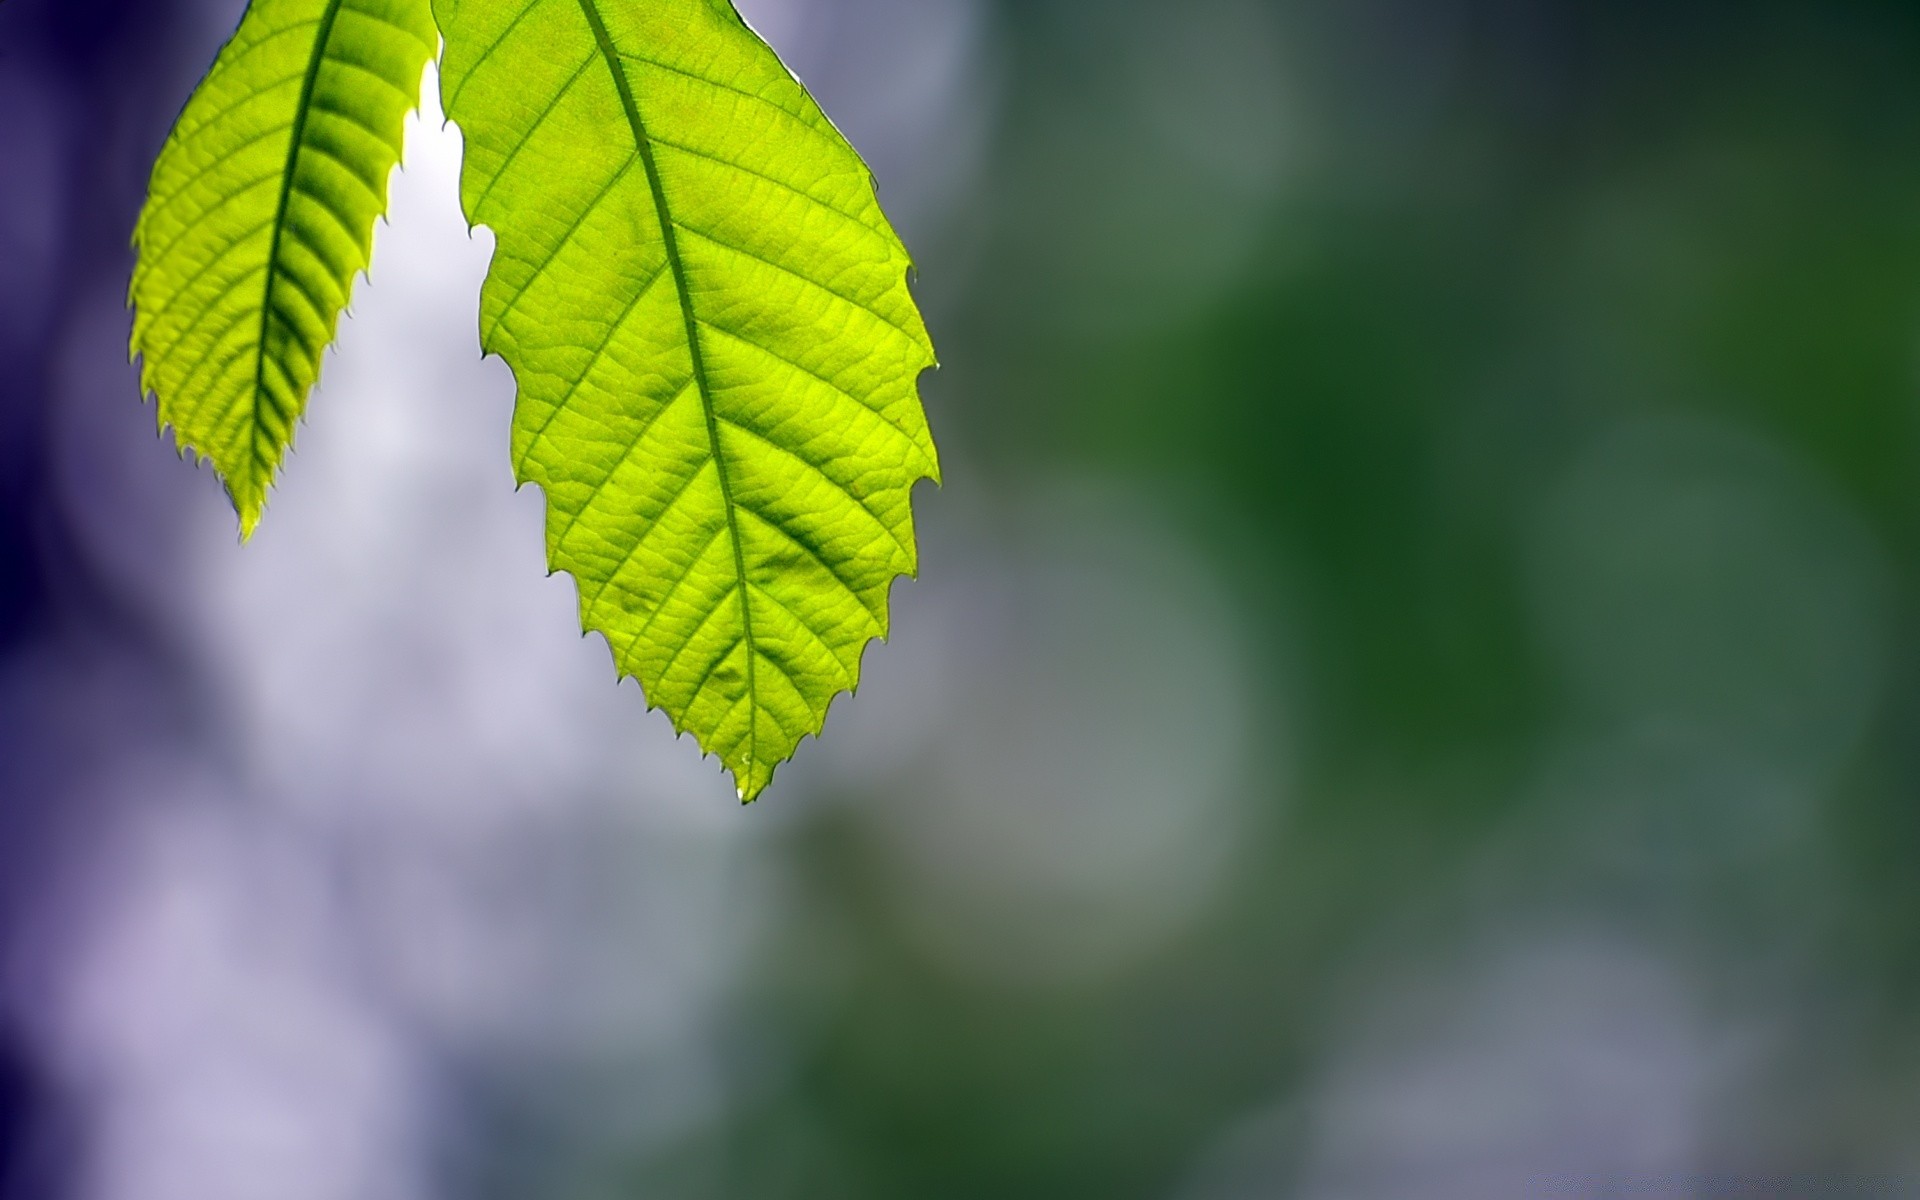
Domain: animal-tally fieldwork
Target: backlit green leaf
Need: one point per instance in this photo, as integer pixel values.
(260, 214)
(716, 351)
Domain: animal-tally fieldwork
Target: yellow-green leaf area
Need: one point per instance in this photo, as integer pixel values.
(717, 355)
(259, 215)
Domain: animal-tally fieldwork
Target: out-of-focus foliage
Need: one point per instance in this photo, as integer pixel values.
(259, 216)
(717, 354)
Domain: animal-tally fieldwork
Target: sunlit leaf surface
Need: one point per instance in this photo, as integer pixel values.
(716, 351)
(259, 216)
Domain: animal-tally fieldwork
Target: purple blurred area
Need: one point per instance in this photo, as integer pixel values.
(79, 665)
(1412, 691)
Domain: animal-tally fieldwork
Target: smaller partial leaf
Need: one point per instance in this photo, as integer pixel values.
(260, 214)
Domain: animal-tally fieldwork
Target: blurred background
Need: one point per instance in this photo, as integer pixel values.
(1413, 691)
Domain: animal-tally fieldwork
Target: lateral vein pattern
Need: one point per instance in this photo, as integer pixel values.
(259, 216)
(717, 354)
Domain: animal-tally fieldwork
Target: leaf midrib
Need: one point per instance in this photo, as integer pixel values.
(670, 243)
(322, 35)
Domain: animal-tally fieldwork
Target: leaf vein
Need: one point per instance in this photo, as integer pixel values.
(717, 84)
(829, 289)
(320, 39)
(846, 676)
(526, 136)
(681, 491)
(593, 360)
(670, 241)
(814, 553)
(566, 238)
(814, 467)
(838, 390)
(453, 101)
(858, 219)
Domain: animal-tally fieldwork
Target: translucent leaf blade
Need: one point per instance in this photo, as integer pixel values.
(717, 354)
(259, 215)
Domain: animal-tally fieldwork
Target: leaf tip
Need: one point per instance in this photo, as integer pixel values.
(250, 506)
(751, 790)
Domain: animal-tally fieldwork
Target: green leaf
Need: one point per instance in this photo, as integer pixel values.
(716, 351)
(259, 216)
